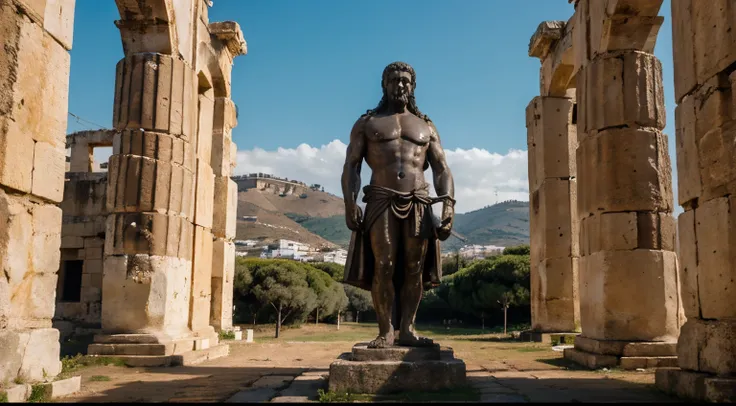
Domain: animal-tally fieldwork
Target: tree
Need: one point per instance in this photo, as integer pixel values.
(518, 250)
(336, 271)
(329, 293)
(359, 300)
(283, 285)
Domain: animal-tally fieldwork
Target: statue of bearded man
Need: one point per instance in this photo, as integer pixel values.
(394, 250)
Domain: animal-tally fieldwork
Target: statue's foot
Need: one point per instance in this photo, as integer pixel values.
(413, 340)
(382, 341)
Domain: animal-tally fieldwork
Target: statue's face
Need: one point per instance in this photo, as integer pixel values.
(399, 86)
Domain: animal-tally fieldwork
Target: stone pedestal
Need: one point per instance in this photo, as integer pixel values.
(396, 369)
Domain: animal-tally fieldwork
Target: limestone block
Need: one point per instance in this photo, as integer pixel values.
(688, 264)
(221, 313)
(552, 139)
(34, 72)
(155, 92)
(716, 152)
(544, 37)
(85, 195)
(46, 238)
(72, 241)
(16, 237)
(689, 184)
(622, 89)
(684, 52)
(58, 21)
(221, 155)
(204, 195)
(624, 170)
(581, 35)
(225, 115)
(31, 355)
(557, 224)
(142, 184)
(555, 305)
(148, 233)
(225, 208)
(204, 129)
(223, 259)
(155, 145)
(714, 37)
(627, 231)
(716, 274)
(708, 346)
(629, 295)
(199, 306)
(48, 172)
(146, 294)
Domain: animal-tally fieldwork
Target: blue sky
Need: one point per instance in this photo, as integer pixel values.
(314, 66)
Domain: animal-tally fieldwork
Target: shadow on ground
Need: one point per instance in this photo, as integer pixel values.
(173, 384)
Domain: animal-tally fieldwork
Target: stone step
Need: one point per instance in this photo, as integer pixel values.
(128, 349)
(126, 339)
(648, 362)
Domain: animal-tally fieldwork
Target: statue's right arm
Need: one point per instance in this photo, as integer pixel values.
(353, 162)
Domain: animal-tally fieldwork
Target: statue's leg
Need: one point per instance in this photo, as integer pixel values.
(415, 251)
(384, 235)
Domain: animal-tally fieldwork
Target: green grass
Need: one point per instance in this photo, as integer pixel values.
(532, 349)
(99, 378)
(39, 394)
(79, 361)
(466, 393)
(227, 335)
(3, 397)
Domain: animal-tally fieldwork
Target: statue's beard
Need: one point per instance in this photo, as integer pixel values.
(399, 98)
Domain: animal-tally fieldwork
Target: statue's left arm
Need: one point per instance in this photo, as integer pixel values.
(444, 184)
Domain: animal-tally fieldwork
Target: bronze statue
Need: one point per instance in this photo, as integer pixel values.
(394, 250)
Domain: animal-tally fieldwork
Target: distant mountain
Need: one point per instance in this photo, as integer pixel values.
(318, 218)
(504, 224)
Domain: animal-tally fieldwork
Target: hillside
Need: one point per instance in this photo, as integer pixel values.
(318, 219)
(274, 211)
(504, 224)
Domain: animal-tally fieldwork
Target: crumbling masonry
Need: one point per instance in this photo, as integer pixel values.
(627, 281)
(160, 284)
(634, 302)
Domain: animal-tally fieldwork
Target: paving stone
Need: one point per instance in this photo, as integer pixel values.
(272, 381)
(252, 396)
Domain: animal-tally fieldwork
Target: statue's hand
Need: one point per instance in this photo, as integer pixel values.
(445, 229)
(353, 217)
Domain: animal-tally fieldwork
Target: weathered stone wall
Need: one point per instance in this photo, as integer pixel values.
(35, 38)
(552, 141)
(704, 46)
(79, 299)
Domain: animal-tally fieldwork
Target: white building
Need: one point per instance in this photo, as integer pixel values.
(291, 250)
(480, 251)
(337, 257)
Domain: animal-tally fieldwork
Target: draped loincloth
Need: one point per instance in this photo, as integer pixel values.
(414, 207)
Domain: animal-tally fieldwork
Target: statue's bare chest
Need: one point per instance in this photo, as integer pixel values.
(398, 127)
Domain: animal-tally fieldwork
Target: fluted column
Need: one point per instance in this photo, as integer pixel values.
(151, 195)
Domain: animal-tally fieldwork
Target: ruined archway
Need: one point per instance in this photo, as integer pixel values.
(619, 196)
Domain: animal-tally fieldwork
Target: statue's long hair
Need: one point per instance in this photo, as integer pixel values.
(412, 105)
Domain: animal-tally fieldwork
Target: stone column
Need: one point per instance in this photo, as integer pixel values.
(34, 85)
(629, 287)
(151, 195)
(704, 45)
(226, 205)
(551, 141)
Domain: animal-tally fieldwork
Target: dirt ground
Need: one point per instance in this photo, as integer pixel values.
(529, 371)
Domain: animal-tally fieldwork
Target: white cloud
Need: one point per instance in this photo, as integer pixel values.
(481, 177)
